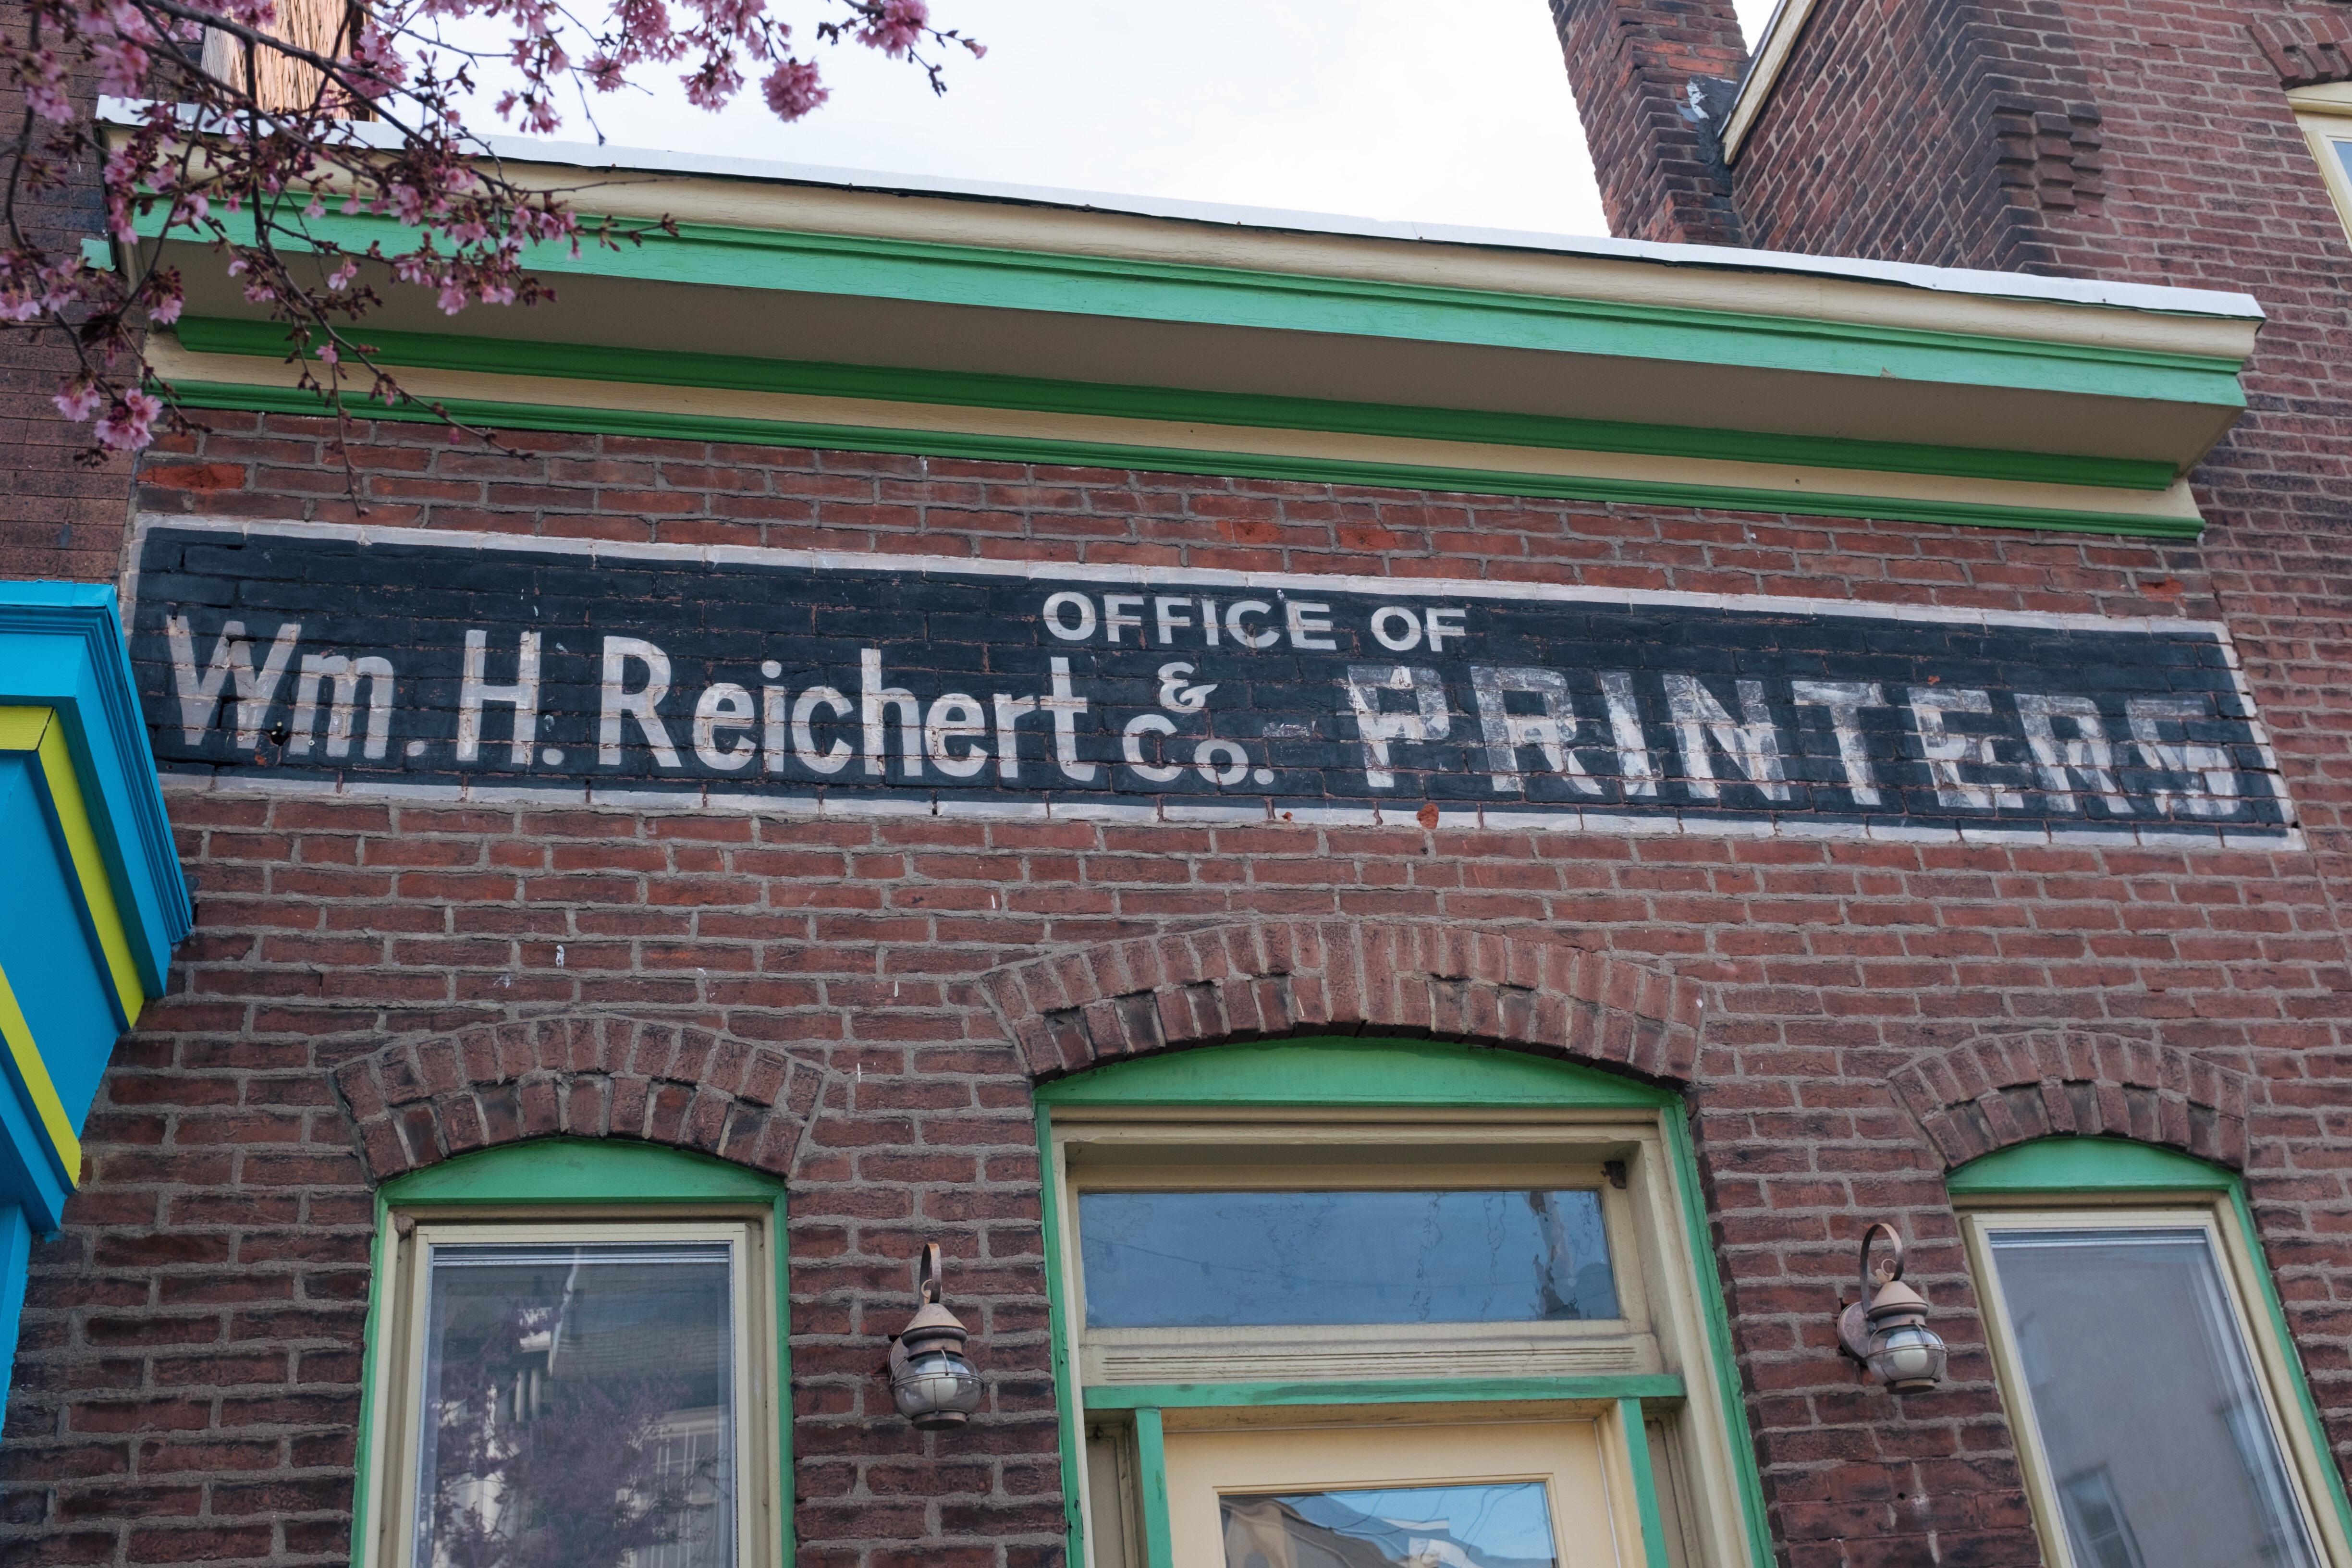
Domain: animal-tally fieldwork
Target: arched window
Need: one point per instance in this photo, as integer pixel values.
(574, 1349)
(2158, 1410)
(1351, 1300)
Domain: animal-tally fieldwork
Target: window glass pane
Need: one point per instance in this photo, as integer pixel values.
(1203, 1260)
(2146, 1401)
(2343, 152)
(579, 1408)
(1496, 1526)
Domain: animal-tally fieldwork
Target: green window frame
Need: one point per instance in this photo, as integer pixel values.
(583, 1181)
(2054, 1179)
(1336, 1078)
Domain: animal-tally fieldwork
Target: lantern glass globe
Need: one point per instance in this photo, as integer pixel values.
(1907, 1358)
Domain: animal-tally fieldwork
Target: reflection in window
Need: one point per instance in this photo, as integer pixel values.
(2147, 1408)
(2343, 152)
(579, 1408)
(2096, 1522)
(1210, 1260)
(1495, 1526)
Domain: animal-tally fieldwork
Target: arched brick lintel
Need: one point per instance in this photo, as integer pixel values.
(1998, 1090)
(418, 1101)
(1270, 978)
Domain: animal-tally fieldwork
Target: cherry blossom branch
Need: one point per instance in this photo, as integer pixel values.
(261, 114)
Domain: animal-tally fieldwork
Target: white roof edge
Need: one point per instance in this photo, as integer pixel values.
(2019, 286)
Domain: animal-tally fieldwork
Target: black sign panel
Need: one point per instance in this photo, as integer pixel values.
(870, 683)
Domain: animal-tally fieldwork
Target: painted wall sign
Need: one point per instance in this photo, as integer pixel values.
(483, 663)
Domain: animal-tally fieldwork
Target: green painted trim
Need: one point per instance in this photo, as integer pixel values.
(1060, 284)
(1151, 1481)
(1072, 1423)
(1645, 1484)
(2059, 1168)
(1238, 464)
(2085, 1164)
(1350, 1070)
(370, 1332)
(2275, 1310)
(579, 1173)
(1396, 1390)
(655, 367)
(582, 1171)
(1715, 1306)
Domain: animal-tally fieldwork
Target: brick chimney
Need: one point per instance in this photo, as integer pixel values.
(1653, 80)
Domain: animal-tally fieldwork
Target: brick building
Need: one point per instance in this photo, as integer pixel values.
(1395, 841)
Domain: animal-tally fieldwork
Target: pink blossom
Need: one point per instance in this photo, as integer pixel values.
(131, 423)
(79, 399)
(895, 26)
(793, 89)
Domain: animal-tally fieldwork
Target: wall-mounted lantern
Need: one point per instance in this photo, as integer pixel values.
(1886, 1329)
(932, 1382)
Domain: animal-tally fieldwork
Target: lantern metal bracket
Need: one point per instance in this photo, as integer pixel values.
(1853, 1323)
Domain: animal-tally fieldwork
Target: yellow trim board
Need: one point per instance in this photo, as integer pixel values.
(36, 729)
(2324, 114)
(1796, 485)
(25, 1052)
(1770, 59)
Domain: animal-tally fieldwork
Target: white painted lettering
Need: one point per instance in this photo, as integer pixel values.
(1220, 763)
(1170, 615)
(1308, 623)
(1010, 711)
(232, 658)
(347, 674)
(618, 702)
(1241, 634)
(1130, 746)
(872, 697)
(474, 690)
(721, 710)
(1116, 618)
(2208, 779)
(1947, 752)
(1067, 601)
(1636, 771)
(1553, 730)
(1441, 628)
(1750, 742)
(1396, 628)
(834, 758)
(1066, 709)
(1430, 719)
(1845, 699)
(955, 717)
(2087, 756)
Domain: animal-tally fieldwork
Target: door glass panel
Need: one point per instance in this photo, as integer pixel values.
(1505, 1525)
(579, 1408)
(1212, 1259)
(2146, 1401)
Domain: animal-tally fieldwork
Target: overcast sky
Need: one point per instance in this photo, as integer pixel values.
(1455, 111)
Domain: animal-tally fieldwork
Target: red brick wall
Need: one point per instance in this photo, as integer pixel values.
(2150, 141)
(1631, 63)
(1939, 134)
(61, 517)
(1873, 1012)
